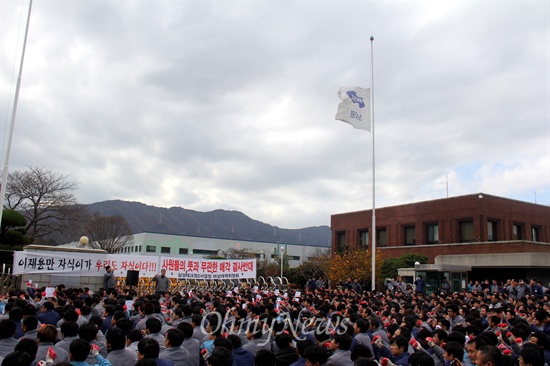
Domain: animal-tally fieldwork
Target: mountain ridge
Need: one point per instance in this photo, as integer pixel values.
(217, 223)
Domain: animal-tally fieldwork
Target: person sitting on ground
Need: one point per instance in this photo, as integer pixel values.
(80, 350)
(118, 354)
(421, 358)
(192, 345)
(316, 355)
(220, 356)
(241, 357)
(340, 344)
(46, 337)
(29, 324)
(286, 354)
(397, 352)
(133, 338)
(531, 355)
(89, 333)
(69, 332)
(17, 358)
(264, 358)
(153, 326)
(149, 348)
(7, 339)
(254, 335)
(173, 350)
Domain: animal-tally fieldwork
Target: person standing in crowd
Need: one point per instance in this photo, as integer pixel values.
(109, 282)
(162, 283)
(312, 284)
(445, 286)
(419, 285)
(357, 286)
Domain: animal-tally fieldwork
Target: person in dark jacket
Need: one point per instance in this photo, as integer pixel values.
(241, 357)
(286, 354)
(148, 348)
(300, 348)
(48, 315)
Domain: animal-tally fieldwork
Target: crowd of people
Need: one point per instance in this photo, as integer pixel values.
(313, 326)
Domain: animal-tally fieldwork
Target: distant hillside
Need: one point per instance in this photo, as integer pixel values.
(215, 224)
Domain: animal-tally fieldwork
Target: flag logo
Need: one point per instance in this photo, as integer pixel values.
(355, 107)
(355, 99)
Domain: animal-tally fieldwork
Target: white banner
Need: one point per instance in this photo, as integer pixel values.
(87, 264)
(82, 264)
(212, 269)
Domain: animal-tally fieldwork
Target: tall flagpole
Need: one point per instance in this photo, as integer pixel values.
(373, 265)
(12, 122)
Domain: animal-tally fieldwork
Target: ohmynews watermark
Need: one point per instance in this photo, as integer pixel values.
(264, 328)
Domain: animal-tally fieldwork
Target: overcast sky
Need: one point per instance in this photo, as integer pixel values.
(230, 104)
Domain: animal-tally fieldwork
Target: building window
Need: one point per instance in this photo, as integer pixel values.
(205, 251)
(432, 234)
(409, 235)
(381, 238)
(184, 251)
(492, 230)
(293, 257)
(466, 231)
(150, 248)
(364, 239)
(535, 233)
(517, 232)
(341, 242)
(165, 250)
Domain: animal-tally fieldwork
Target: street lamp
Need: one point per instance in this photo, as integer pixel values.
(281, 255)
(84, 240)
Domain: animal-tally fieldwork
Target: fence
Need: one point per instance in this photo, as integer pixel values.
(146, 284)
(9, 282)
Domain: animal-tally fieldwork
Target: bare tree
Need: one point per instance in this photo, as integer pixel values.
(109, 233)
(44, 197)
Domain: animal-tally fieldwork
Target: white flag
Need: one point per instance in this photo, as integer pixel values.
(355, 107)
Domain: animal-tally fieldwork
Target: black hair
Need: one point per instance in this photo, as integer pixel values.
(362, 324)
(532, 354)
(234, 339)
(124, 324)
(455, 349)
(187, 329)
(343, 341)
(361, 351)
(401, 342)
(420, 358)
(489, 353)
(88, 332)
(17, 358)
(263, 358)
(69, 329)
(27, 345)
(79, 349)
(175, 336)
(149, 348)
(153, 324)
(134, 335)
(30, 322)
(7, 328)
(283, 341)
(316, 354)
(116, 338)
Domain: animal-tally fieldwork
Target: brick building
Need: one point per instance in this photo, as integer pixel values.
(498, 237)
